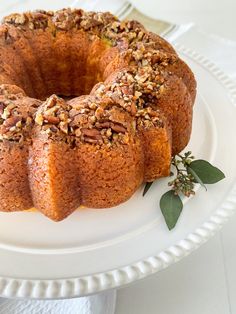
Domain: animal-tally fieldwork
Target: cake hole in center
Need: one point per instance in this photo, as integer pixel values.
(72, 73)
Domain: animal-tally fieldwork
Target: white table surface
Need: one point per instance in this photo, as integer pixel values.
(204, 282)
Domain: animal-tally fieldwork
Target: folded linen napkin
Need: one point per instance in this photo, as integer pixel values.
(103, 303)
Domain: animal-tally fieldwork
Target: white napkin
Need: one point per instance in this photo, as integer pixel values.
(103, 303)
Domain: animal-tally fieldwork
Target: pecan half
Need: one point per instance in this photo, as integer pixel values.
(11, 122)
(114, 126)
(103, 125)
(118, 128)
(91, 140)
(94, 133)
(51, 119)
(91, 136)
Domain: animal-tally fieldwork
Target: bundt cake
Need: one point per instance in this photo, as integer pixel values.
(90, 108)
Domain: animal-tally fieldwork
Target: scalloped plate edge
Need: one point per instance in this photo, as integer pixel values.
(77, 287)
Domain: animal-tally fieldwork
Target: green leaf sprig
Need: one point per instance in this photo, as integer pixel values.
(188, 172)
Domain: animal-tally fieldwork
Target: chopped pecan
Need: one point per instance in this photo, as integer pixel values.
(63, 116)
(7, 112)
(12, 121)
(73, 113)
(118, 128)
(63, 127)
(52, 101)
(109, 133)
(51, 119)
(29, 121)
(92, 140)
(39, 118)
(16, 18)
(38, 20)
(137, 94)
(89, 21)
(8, 38)
(65, 19)
(1, 108)
(127, 90)
(114, 126)
(78, 120)
(94, 133)
(99, 112)
(78, 132)
(54, 129)
(103, 125)
(39, 15)
(133, 109)
(134, 25)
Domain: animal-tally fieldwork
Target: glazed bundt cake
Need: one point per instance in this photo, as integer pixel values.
(90, 108)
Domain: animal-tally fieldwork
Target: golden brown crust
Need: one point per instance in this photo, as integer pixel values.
(14, 184)
(11, 63)
(102, 173)
(157, 147)
(13, 54)
(9, 89)
(78, 60)
(183, 72)
(54, 185)
(160, 43)
(176, 104)
(135, 114)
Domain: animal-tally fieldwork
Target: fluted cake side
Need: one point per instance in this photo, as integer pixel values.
(90, 108)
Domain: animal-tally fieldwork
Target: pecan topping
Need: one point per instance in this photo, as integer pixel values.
(51, 119)
(16, 19)
(90, 135)
(1, 108)
(118, 128)
(38, 19)
(15, 122)
(91, 140)
(11, 122)
(90, 132)
(64, 19)
(134, 90)
(63, 126)
(39, 119)
(53, 116)
(114, 126)
(103, 125)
